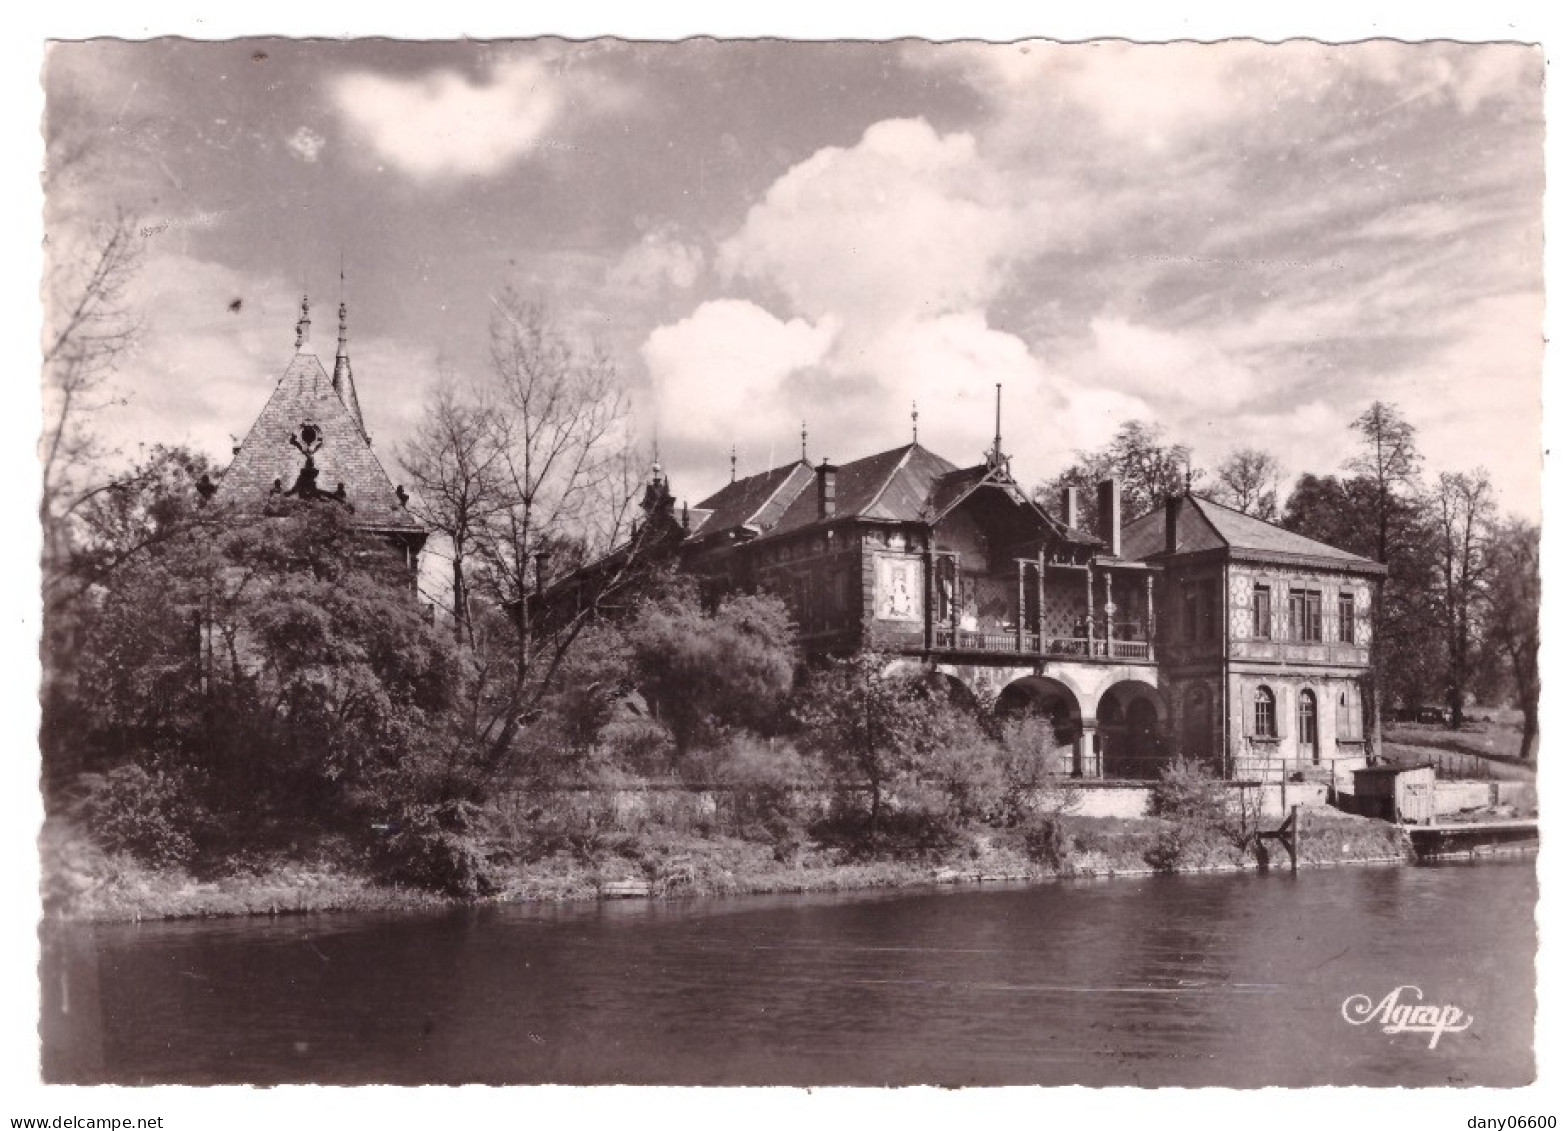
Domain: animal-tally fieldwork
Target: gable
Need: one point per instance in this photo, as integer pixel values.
(303, 396)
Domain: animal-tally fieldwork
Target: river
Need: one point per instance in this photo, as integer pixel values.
(1230, 980)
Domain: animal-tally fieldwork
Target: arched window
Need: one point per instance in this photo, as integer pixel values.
(1263, 724)
(1307, 724)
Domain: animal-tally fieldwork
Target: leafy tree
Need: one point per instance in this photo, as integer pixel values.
(1149, 470)
(702, 671)
(873, 730)
(1512, 618)
(1408, 648)
(1465, 510)
(280, 664)
(1248, 480)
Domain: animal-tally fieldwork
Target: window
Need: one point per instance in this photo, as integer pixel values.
(1347, 618)
(1306, 615)
(1262, 612)
(1307, 724)
(1206, 603)
(1263, 713)
(1189, 612)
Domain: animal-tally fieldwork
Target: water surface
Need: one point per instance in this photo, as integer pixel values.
(1230, 980)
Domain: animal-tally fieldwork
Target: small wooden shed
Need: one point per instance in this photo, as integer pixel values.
(1402, 794)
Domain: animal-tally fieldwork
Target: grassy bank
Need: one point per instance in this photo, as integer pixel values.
(83, 882)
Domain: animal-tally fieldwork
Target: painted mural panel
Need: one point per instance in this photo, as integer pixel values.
(900, 589)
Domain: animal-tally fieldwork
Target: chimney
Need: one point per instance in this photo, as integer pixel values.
(1172, 513)
(1070, 506)
(1111, 516)
(827, 490)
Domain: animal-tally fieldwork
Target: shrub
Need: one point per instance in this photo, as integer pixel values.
(1168, 850)
(436, 846)
(1189, 791)
(148, 813)
(1045, 841)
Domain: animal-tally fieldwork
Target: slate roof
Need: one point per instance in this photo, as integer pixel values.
(756, 501)
(304, 395)
(1203, 524)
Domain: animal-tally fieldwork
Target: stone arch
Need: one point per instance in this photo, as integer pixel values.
(1131, 720)
(1056, 701)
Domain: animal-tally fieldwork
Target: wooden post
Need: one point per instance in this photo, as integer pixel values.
(1295, 836)
(956, 597)
(1018, 624)
(1148, 607)
(1088, 588)
(1110, 613)
(931, 587)
(1039, 612)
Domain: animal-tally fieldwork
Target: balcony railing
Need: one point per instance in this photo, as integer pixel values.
(1008, 641)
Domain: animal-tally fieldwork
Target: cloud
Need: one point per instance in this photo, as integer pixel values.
(444, 124)
(202, 370)
(659, 259)
(903, 221)
(306, 144)
(719, 375)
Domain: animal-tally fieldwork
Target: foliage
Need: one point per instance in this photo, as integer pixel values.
(702, 670)
(1029, 758)
(872, 728)
(144, 811)
(1149, 470)
(275, 665)
(1248, 480)
(435, 845)
(1512, 619)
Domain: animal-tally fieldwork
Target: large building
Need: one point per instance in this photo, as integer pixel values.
(1194, 629)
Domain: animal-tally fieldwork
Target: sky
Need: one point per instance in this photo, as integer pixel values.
(1243, 243)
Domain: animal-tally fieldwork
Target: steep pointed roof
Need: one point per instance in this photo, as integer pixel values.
(343, 374)
(1202, 524)
(306, 396)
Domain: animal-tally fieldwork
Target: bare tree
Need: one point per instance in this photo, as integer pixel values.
(1465, 510)
(89, 329)
(1248, 480)
(1388, 458)
(453, 461)
(558, 461)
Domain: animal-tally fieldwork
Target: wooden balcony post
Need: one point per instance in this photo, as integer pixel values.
(955, 598)
(1110, 614)
(1088, 587)
(1039, 612)
(929, 561)
(1148, 603)
(1018, 621)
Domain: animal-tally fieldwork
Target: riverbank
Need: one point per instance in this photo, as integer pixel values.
(82, 882)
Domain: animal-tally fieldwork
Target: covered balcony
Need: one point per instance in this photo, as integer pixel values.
(1096, 611)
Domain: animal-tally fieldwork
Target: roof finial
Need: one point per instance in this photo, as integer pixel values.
(914, 422)
(996, 447)
(1189, 475)
(803, 442)
(302, 327)
(732, 463)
